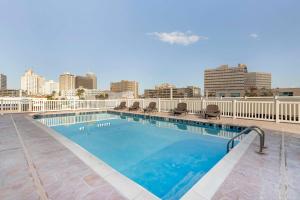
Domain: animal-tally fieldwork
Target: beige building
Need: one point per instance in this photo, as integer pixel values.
(164, 86)
(66, 82)
(286, 91)
(124, 86)
(12, 93)
(234, 81)
(3, 82)
(225, 81)
(170, 91)
(258, 80)
(32, 83)
(88, 82)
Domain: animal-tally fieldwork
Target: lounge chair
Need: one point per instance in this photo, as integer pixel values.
(135, 106)
(212, 111)
(181, 109)
(121, 106)
(151, 107)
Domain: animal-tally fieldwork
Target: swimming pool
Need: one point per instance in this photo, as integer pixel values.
(167, 158)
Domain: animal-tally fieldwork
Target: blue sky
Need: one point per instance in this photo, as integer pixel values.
(149, 41)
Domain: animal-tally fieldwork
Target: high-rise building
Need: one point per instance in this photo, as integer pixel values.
(225, 81)
(50, 87)
(170, 91)
(32, 83)
(3, 82)
(258, 80)
(88, 82)
(124, 86)
(66, 82)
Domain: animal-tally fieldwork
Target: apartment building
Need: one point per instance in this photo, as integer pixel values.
(124, 86)
(32, 83)
(50, 87)
(258, 80)
(3, 82)
(233, 81)
(88, 82)
(225, 81)
(66, 82)
(286, 91)
(12, 93)
(170, 91)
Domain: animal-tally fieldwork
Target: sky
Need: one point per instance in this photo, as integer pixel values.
(152, 42)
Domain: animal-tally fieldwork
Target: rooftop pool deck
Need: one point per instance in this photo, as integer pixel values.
(35, 165)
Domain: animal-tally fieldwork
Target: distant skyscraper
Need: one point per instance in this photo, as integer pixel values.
(3, 82)
(50, 87)
(32, 83)
(66, 82)
(124, 86)
(88, 82)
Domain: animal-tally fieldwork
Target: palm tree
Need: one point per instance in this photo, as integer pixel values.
(79, 93)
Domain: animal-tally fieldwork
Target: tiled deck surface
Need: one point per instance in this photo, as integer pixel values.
(273, 175)
(61, 174)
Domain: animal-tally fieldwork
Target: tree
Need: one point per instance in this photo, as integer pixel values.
(80, 93)
(252, 92)
(102, 96)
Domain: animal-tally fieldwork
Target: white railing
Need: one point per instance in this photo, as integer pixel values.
(287, 110)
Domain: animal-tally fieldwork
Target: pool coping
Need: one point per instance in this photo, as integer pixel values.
(209, 184)
(127, 187)
(204, 189)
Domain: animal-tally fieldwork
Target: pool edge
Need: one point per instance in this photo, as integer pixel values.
(128, 188)
(204, 189)
(209, 184)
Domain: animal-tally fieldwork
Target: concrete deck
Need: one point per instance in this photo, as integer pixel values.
(33, 165)
(273, 175)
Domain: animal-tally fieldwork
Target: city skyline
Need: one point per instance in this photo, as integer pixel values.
(135, 44)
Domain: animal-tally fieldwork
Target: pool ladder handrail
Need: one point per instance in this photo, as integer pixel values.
(257, 129)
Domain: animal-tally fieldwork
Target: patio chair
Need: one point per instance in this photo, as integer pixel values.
(181, 109)
(121, 106)
(212, 111)
(135, 106)
(151, 107)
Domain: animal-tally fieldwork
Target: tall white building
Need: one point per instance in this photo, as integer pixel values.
(32, 83)
(50, 87)
(3, 82)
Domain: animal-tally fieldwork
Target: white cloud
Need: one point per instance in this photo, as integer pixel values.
(254, 35)
(178, 37)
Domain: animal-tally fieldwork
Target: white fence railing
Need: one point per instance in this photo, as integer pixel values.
(268, 110)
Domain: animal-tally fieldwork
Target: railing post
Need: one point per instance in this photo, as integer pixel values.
(159, 108)
(277, 103)
(19, 106)
(202, 104)
(234, 109)
(43, 106)
(30, 105)
(2, 107)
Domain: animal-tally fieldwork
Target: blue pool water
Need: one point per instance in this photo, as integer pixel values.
(165, 158)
